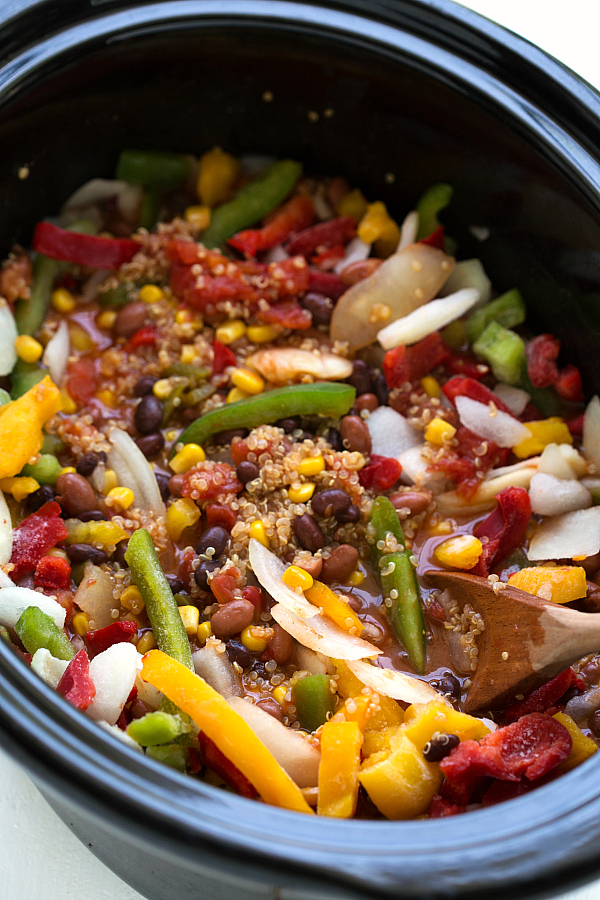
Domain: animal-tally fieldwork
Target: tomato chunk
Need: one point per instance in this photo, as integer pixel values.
(76, 686)
(34, 536)
(381, 474)
(53, 572)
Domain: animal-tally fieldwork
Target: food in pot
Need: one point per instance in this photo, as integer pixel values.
(243, 411)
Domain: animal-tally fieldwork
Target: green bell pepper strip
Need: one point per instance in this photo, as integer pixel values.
(24, 376)
(313, 700)
(163, 612)
(154, 168)
(172, 755)
(433, 201)
(324, 398)
(544, 399)
(504, 350)
(150, 208)
(155, 728)
(45, 471)
(254, 201)
(508, 310)
(38, 630)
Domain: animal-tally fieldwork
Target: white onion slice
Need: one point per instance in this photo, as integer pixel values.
(56, 354)
(551, 496)
(531, 463)
(451, 503)
(403, 282)
(513, 397)
(408, 230)
(5, 581)
(113, 672)
(8, 336)
(269, 570)
(293, 752)
(391, 433)
(15, 600)
(496, 425)
(426, 319)
(591, 432)
(48, 667)
(397, 685)
(322, 208)
(217, 669)
(562, 461)
(356, 251)
(134, 471)
(6, 532)
(469, 274)
(323, 636)
(416, 469)
(562, 537)
(128, 196)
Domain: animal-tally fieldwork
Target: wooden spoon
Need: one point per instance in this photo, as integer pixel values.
(526, 640)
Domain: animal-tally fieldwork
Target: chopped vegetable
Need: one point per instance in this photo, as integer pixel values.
(504, 350)
(434, 200)
(542, 433)
(338, 773)
(34, 536)
(507, 310)
(313, 700)
(37, 629)
(83, 249)
(560, 584)
(423, 321)
(574, 534)
(21, 423)
(153, 168)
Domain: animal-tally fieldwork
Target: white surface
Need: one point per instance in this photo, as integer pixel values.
(39, 857)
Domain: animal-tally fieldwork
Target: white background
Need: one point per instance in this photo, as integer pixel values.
(39, 857)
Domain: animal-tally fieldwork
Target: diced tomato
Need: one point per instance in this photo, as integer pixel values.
(568, 384)
(144, 337)
(76, 686)
(441, 808)
(404, 364)
(575, 426)
(223, 357)
(294, 216)
(435, 239)
(470, 444)
(504, 529)
(208, 479)
(469, 387)
(289, 278)
(34, 536)
(327, 283)
(186, 567)
(381, 474)
(288, 314)
(217, 514)
(542, 352)
(214, 759)
(116, 633)
(328, 259)
(254, 595)
(323, 236)
(501, 791)
(225, 584)
(541, 699)
(53, 572)
(464, 364)
(82, 379)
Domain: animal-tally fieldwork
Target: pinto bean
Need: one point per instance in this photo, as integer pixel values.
(355, 434)
(76, 494)
(366, 401)
(340, 565)
(130, 319)
(320, 306)
(175, 485)
(272, 707)
(231, 618)
(358, 271)
(281, 646)
(416, 501)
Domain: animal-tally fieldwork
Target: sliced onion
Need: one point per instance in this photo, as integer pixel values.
(397, 685)
(426, 319)
(134, 471)
(113, 672)
(275, 254)
(95, 595)
(97, 190)
(217, 669)
(48, 667)
(5, 581)
(391, 433)
(469, 274)
(491, 425)
(314, 663)
(56, 354)
(269, 570)
(416, 469)
(551, 496)
(15, 600)
(8, 336)
(408, 230)
(403, 282)
(531, 463)
(451, 503)
(513, 397)
(90, 288)
(562, 461)
(322, 208)
(6, 532)
(591, 432)
(322, 635)
(292, 750)
(356, 251)
(563, 537)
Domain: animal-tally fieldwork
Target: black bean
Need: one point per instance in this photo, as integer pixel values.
(36, 500)
(351, 515)
(119, 554)
(361, 377)
(380, 389)
(319, 306)
(447, 684)
(175, 583)
(330, 502)
(290, 424)
(78, 553)
(440, 746)
(151, 444)
(88, 463)
(226, 437)
(246, 471)
(148, 414)
(162, 480)
(201, 574)
(334, 438)
(93, 515)
(144, 385)
(215, 537)
(308, 533)
(238, 653)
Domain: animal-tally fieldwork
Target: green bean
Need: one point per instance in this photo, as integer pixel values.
(154, 168)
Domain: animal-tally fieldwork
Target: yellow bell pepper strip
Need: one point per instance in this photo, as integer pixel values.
(338, 769)
(422, 720)
(19, 487)
(389, 713)
(106, 534)
(379, 741)
(213, 715)
(21, 423)
(358, 709)
(402, 783)
(377, 227)
(217, 175)
(543, 432)
(333, 606)
(583, 746)
(560, 584)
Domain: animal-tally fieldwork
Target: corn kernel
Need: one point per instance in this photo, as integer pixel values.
(146, 642)
(28, 349)
(295, 577)
(188, 354)
(162, 388)
(187, 458)
(190, 616)
(19, 487)
(248, 381)
(312, 465)
(217, 173)
(80, 623)
(132, 600)
(80, 339)
(301, 493)
(251, 642)
(431, 386)
(235, 395)
(198, 216)
(443, 527)
(182, 316)
(120, 498)
(58, 553)
(230, 331)
(356, 578)
(181, 515)
(279, 694)
(151, 293)
(108, 397)
(377, 226)
(171, 435)
(460, 552)
(106, 319)
(67, 404)
(110, 480)
(261, 334)
(63, 300)
(438, 431)
(258, 532)
(204, 631)
(68, 470)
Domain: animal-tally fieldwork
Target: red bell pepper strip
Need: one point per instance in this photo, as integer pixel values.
(143, 337)
(541, 699)
(53, 572)
(381, 474)
(323, 236)
(403, 364)
(435, 239)
(116, 633)
(214, 759)
(504, 529)
(468, 387)
(76, 686)
(83, 249)
(542, 352)
(34, 536)
(464, 364)
(568, 384)
(294, 216)
(327, 283)
(223, 357)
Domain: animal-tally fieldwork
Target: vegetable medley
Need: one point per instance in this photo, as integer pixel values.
(243, 411)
